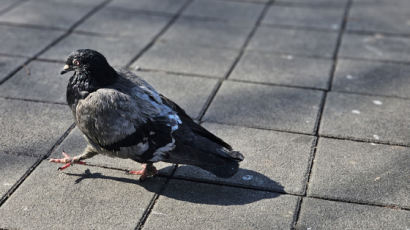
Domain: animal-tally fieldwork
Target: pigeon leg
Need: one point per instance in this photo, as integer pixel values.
(68, 161)
(146, 171)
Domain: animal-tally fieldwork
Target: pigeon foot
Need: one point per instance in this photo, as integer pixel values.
(67, 160)
(147, 170)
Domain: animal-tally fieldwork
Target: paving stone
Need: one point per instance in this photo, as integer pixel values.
(9, 64)
(370, 118)
(31, 129)
(378, 78)
(165, 6)
(323, 214)
(275, 161)
(12, 168)
(5, 4)
(303, 42)
(267, 107)
(75, 143)
(48, 13)
(39, 81)
(190, 93)
(187, 58)
(283, 69)
(363, 172)
(375, 47)
(118, 50)
(305, 17)
(80, 198)
(187, 205)
(116, 22)
(365, 15)
(25, 41)
(229, 11)
(207, 33)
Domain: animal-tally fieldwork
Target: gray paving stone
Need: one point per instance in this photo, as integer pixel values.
(268, 107)
(165, 6)
(366, 118)
(309, 17)
(187, 205)
(372, 78)
(275, 161)
(303, 42)
(5, 4)
(39, 81)
(283, 69)
(48, 13)
(190, 93)
(11, 170)
(9, 64)
(79, 198)
(187, 58)
(323, 214)
(375, 47)
(365, 15)
(116, 22)
(75, 143)
(229, 11)
(31, 129)
(363, 172)
(25, 41)
(118, 50)
(207, 33)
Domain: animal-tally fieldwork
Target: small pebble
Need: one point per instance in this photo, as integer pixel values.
(377, 102)
(356, 111)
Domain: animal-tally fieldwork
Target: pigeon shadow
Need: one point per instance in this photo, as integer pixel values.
(193, 191)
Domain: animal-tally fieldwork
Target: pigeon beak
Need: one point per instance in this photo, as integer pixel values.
(66, 69)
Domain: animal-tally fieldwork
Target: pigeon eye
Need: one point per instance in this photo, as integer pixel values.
(76, 62)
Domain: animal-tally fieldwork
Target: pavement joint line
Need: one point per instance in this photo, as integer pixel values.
(159, 34)
(173, 73)
(31, 26)
(295, 27)
(374, 60)
(11, 6)
(322, 106)
(308, 5)
(236, 61)
(374, 32)
(13, 55)
(34, 166)
(33, 100)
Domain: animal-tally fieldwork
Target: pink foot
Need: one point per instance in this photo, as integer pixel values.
(67, 160)
(146, 171)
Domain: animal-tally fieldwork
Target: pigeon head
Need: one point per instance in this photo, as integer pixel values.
(89, 63)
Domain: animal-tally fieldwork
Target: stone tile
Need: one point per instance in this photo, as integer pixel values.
(118, 50)
(309, 17)
(375, 47)
(165, 6)
(303, 42)
(365, 15)
(190, 93)
(5, 4)
(31, 129)
(323, 214)
(25, 41)
(228, 11)
(267, 107)
(207, 33)
(116, 22)
(39, 81)
(275, 161)
(12, 168)
(283, 69)
(79, 197)
(369, 118)
(378, 78)
(184, 205)
(48, 13)
(8, 65)
(363, 172)
(187, 58)
(75, 143)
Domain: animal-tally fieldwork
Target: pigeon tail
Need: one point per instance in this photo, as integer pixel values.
(228, 169)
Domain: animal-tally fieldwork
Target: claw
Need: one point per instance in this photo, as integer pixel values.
(67, 160)
(146, 171)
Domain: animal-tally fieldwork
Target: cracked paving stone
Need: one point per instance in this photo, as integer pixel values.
(9, 64)
(162, 6)
(274, 161)
(267, 107)
(361, 172)
(188, 205)
(369, 118)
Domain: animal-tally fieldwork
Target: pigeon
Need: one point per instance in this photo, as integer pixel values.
(126, 118)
